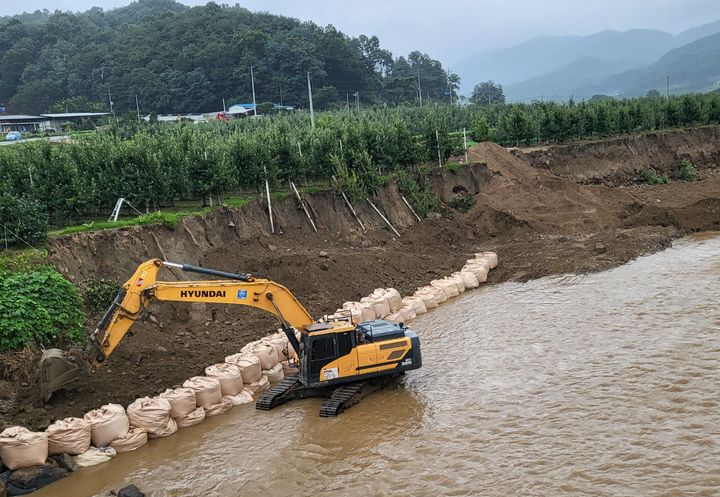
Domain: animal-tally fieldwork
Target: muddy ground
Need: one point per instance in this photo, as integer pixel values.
(539, 221)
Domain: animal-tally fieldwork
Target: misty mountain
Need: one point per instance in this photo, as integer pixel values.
(566, 81)
(694, 67)
(546, 65)
(546, 54)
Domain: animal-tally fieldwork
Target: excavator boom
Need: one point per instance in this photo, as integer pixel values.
(57, 368)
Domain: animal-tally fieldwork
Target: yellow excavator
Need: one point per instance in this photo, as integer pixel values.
(337, 359)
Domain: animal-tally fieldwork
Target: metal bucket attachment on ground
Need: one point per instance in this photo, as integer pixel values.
(57, 369)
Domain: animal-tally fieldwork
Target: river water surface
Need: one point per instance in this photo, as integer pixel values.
(603, 385)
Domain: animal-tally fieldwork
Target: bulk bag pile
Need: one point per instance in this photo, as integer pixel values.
(243, 397)
(68, 436)
(264, 351)
(220, 408)
(259, 386)
(107, 424)
(491, 257)
(275, 374)
(228, 375)
(448, 287)
(207, 390)
(468, 278)
(152, 414)
(135, 438)
(182, 401)
(22, 448)
(193, 418)
(250, 367)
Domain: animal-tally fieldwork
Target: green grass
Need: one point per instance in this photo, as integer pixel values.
(237, 201)
(22, 259)
(169, 219)
(453, 166)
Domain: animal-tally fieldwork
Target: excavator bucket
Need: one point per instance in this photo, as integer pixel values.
(58, 368)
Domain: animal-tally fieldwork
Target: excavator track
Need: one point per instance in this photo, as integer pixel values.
(281, 393)
(345, 397)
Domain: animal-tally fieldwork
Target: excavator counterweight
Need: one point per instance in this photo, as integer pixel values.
(340, 360)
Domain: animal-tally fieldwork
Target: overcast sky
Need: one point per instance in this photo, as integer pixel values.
(451, 29)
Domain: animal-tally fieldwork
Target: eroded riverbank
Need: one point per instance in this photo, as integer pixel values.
(599, 384)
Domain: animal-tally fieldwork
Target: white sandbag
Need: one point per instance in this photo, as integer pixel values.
(478, 262)
(394, 299)
(428, 298)
(416, 303)
(457, 281)
(479, 270)
(407, 313)
(68, 436)
(229, 376)
(170, 429)
(275, 374)
(250, 368)
(491, 257)
(194, 418)
(182, 401)
(244, 397)
(220, 408)
(381, 307)
(135, 438)
(207, 390)
(22, 448)
(394, 317)
(448, 287)
(367, 312)
(264, 351)
(151, 413)
(469, 279)
(94, 456)
(282, 346)
(437, 292)
(107, 423)
(259, 386)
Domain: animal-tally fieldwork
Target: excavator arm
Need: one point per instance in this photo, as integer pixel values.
(143, 287)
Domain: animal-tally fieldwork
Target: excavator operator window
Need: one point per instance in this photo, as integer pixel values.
(322, 352)
(323, 348)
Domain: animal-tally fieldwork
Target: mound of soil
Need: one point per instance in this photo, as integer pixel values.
(538, 222)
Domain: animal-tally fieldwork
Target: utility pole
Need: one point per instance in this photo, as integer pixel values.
(224, 107)
(357, 100)
(111, 103)
(347, 98)
(667, 90)
(281, 99)
(312, 110)
(419, 87)
(137, 107)
(252, 79)
(447, 79)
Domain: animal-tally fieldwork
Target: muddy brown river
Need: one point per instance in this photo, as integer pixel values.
(603, 385)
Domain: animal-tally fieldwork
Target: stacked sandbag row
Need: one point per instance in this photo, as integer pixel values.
(473, 273)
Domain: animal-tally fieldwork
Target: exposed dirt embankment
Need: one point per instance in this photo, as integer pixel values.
(620, 161)
(539, 223)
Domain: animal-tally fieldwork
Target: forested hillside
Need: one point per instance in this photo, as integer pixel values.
(180, 59)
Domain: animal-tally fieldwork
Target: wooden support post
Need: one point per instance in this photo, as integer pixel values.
(267, 192)
(357, 218)
(297, 194)
(383, 217)
(410, 207)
